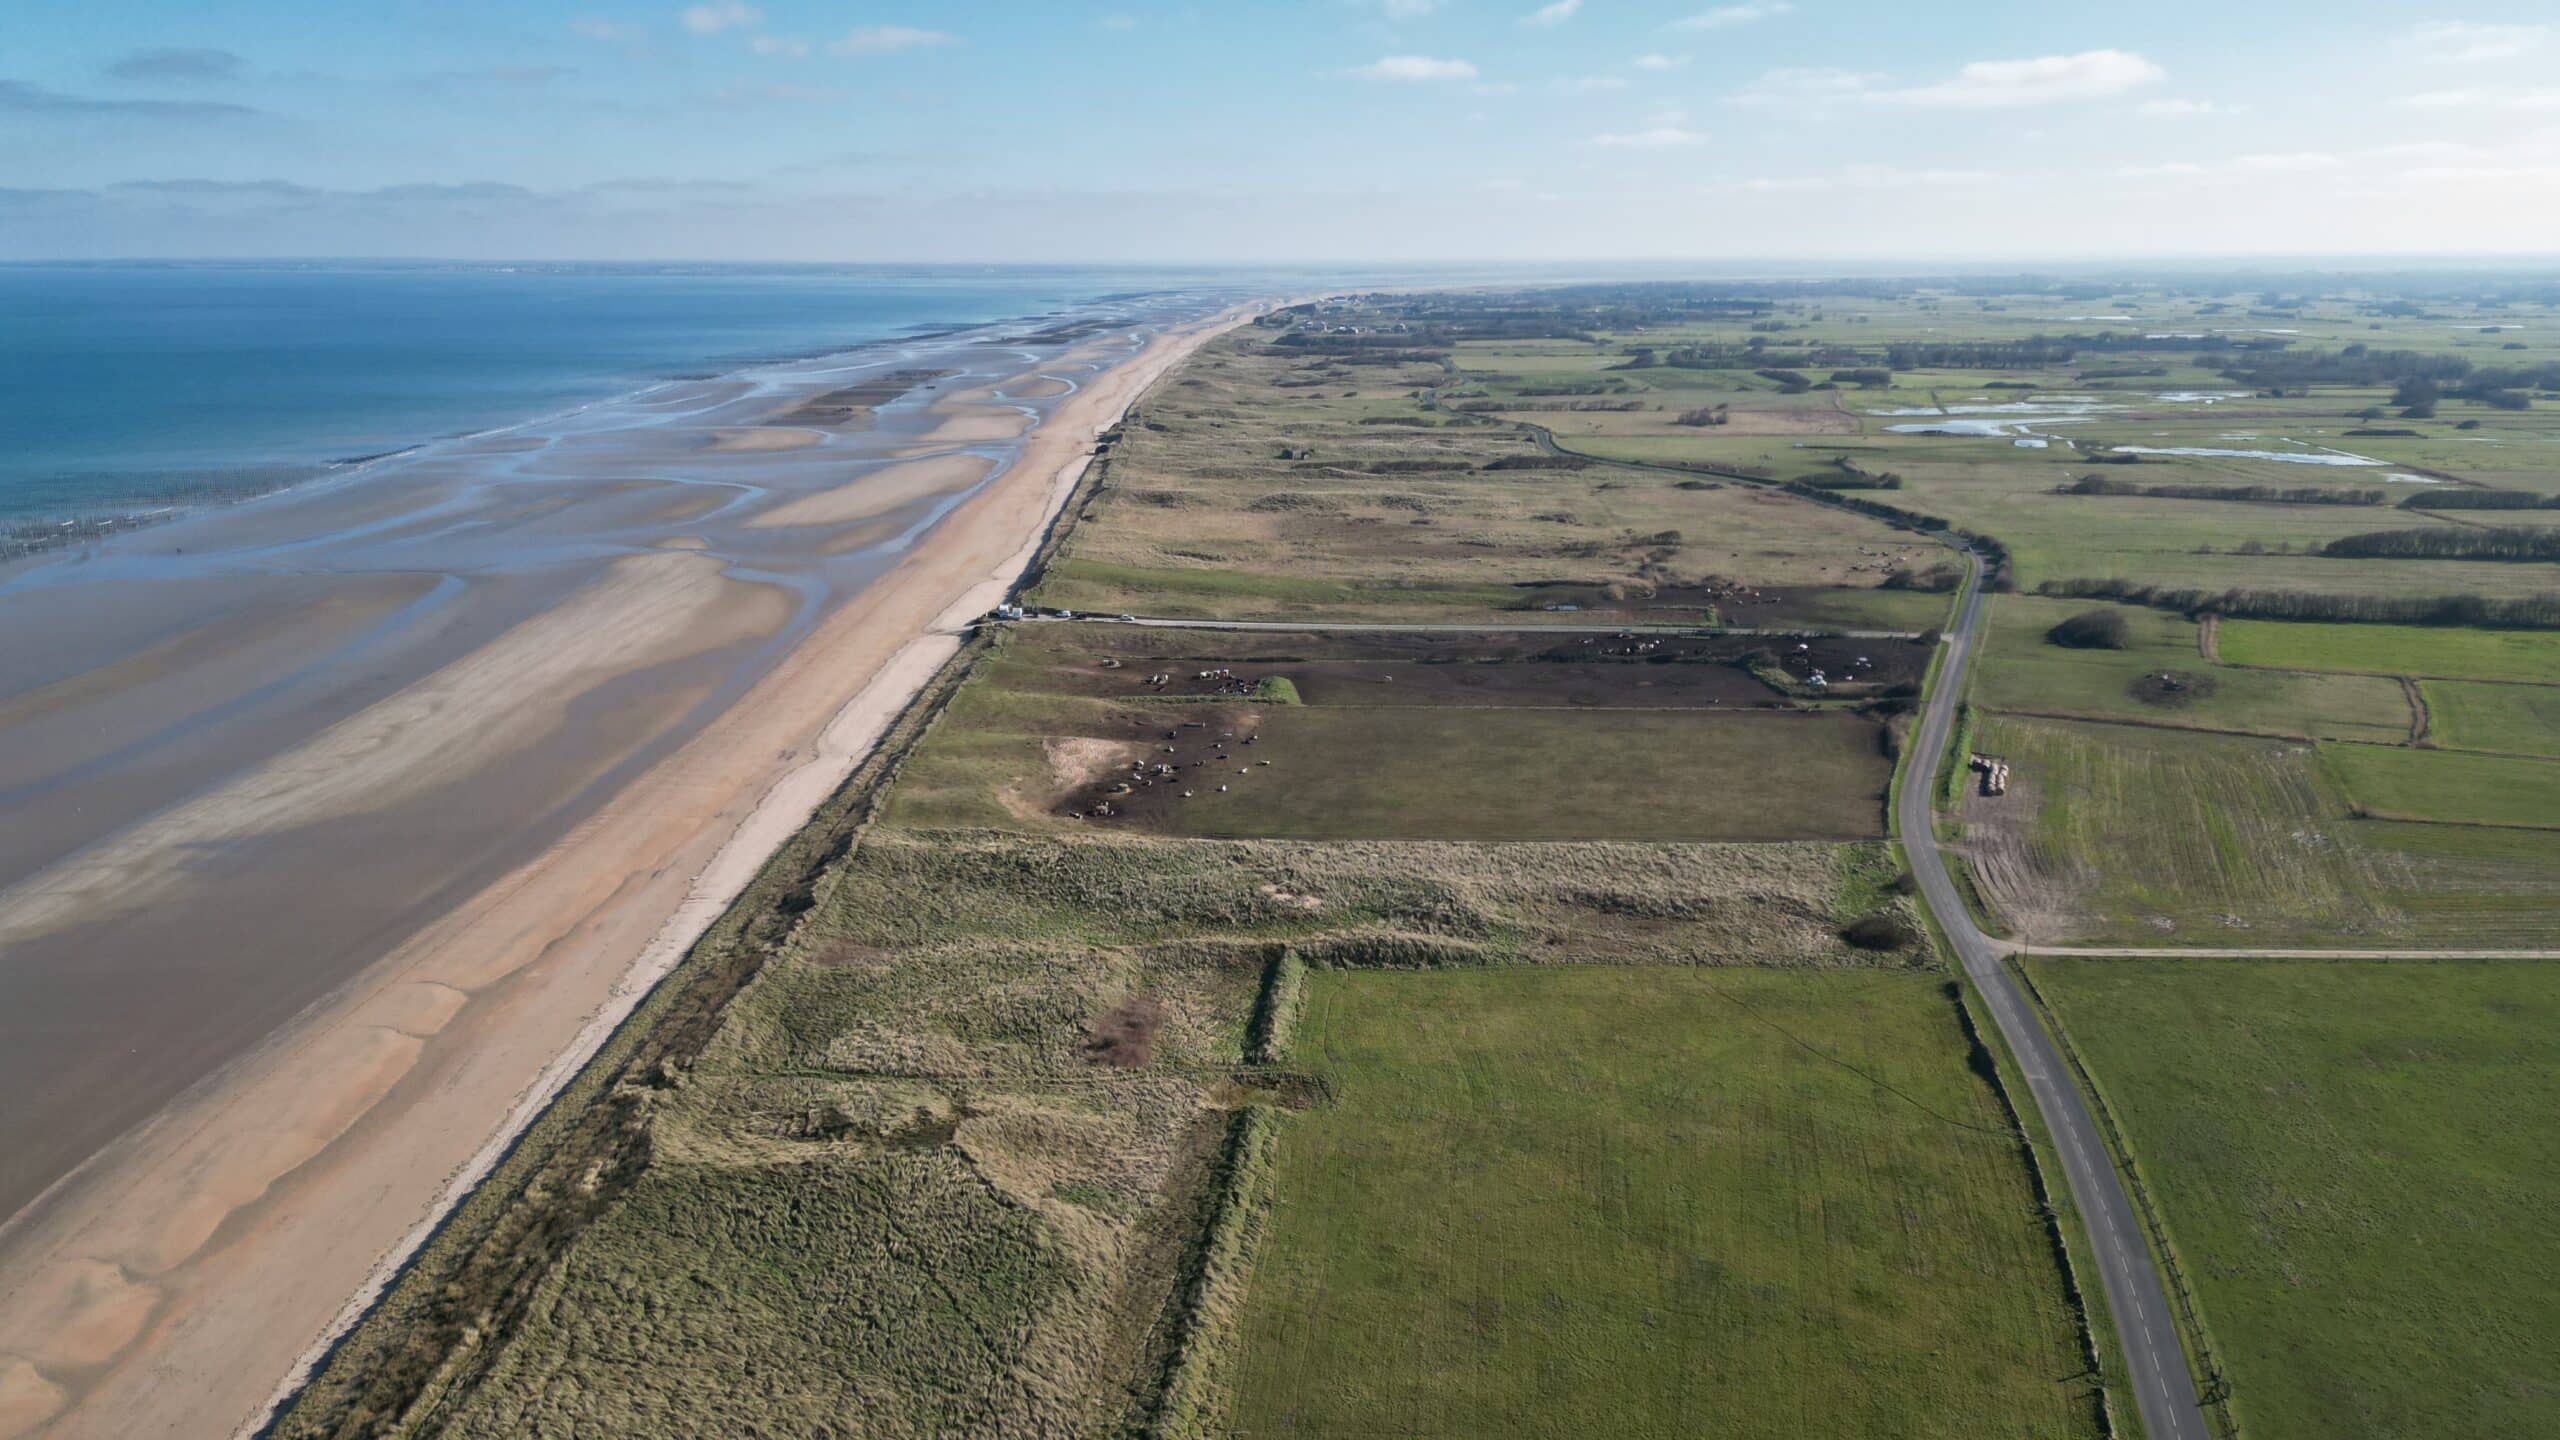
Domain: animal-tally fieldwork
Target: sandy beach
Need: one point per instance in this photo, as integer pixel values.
(680, 712)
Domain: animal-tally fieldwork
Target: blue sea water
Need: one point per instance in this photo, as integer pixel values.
(128, 387)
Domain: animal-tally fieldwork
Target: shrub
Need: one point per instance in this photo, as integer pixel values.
(2092, 630)
(1880, 931)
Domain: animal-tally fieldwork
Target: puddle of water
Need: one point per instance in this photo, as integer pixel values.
(2205, 397)
(2287, 457)
(1980, 429)
(2403, 477)
(2048, 405)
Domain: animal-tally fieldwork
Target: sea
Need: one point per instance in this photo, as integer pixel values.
(128, 391)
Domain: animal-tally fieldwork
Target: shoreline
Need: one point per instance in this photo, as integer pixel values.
(43, 535)
(240, 1224)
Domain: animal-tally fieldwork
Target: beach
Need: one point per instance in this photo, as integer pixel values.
(278, 1007)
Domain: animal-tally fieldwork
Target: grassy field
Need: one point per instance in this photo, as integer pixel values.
(1579, 751)
(940, 1165)
(2351, 1162)
(2022, 670)
(1644, 1203)
(2448, 786)
(2141, 836)
(1454, 774)
(2138, 835)
(1280, 483)
(2528, 655)
(2518, 719)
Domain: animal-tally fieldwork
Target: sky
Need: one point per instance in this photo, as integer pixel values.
(1249, 131)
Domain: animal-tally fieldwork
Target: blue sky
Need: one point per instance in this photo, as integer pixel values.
(1263, 130)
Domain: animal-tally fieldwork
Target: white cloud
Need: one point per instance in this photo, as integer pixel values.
(1722, 16)
(1869, 177)
(2466, 42)
(1804, 87)
(2289, 161)
(1555, 14)
(1659, 137)
(1999, 84)
(2486, 97)
(2187, 109)
(596, 27)
(1415, 67)
(2270, 163)
(2500, 175)
(711, 19)
(880, 39)
(778, 45)
(2159, 170)
(1659, 62)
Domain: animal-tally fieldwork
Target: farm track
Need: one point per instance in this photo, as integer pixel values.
(1382, 627)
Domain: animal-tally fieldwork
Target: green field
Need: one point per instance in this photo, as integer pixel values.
(1475, 775)
(2149, 836)
(903, 1182)
(2428, 650)
(1275, 483)
(1622, 1202)
(2448, 786)
(2354, 1164)
(2517, 719)
(1556, 775)
(1011, 748)
(2021, 670)
(2139, 836)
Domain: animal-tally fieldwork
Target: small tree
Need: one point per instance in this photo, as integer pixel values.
(2092, 630)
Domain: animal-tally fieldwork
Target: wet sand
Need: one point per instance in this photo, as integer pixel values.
(342, 827)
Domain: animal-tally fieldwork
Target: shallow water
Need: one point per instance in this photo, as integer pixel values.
(2285, 457)
(498, 631)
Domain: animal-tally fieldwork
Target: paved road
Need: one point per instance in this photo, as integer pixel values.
(2162, 1388)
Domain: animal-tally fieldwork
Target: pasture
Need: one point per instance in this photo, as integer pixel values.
(1577, 739)
(1270, 483)
(2449, 652)
(2139, 836)
(2162, 678)
(2351, 1163)
(2449, 787)
(1627, 1202)
(2516, 719)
